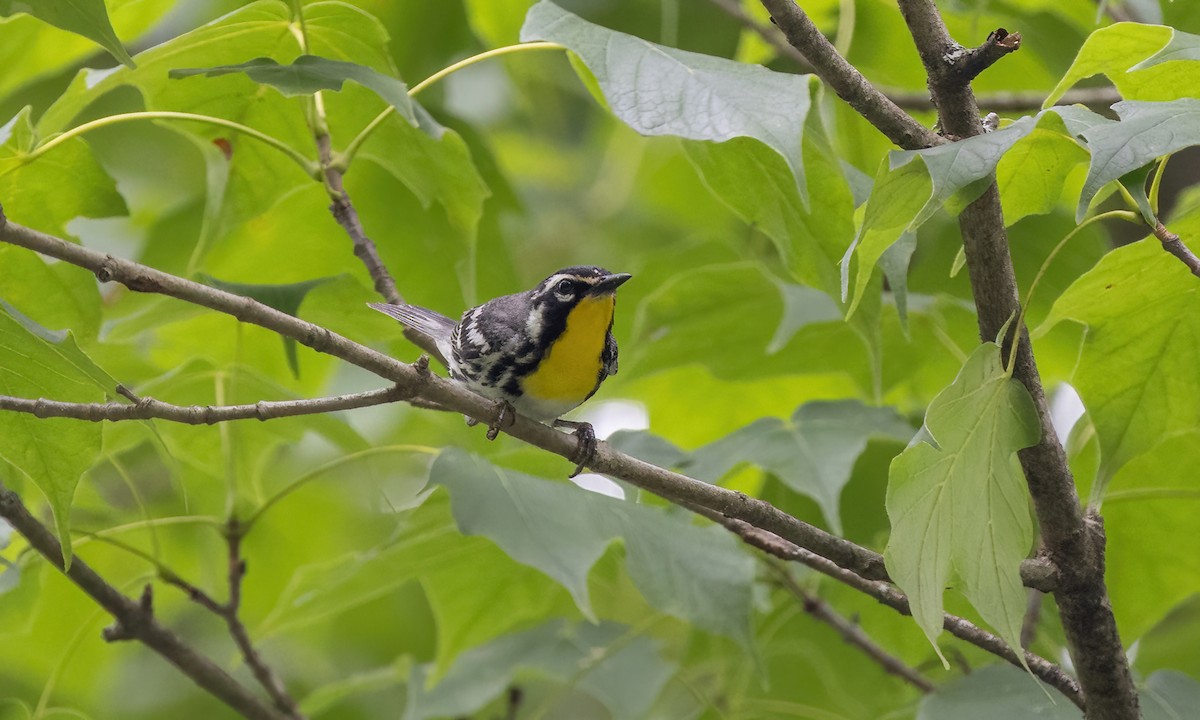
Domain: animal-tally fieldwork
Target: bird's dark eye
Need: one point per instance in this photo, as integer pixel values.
(564, 287)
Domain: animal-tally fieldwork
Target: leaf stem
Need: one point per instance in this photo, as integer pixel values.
(1156, 183)
(1123, 214)
(309, 167)
(352, 149)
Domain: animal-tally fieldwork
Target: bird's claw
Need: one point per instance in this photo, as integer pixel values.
(505, 415)
(585, 451)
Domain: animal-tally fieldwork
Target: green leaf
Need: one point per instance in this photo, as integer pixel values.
(1120, 51)
(659, 90)
(813, 453)
(52, 452)
(88, 18)
(1169, 695)
(745, 308)
(996, 692)
(754, 182)
(49, 192)
(700, 575)
(497, 22)
(322, 699)
(324, 590)
(285, 298)
(1147, 130)
(1032, 174)
(309, 74)
(959, 509)
(1134, 372)
(1181, 46)
(1151, 503)
(647, 447)
(626, 673)
(55, 295)
(1171, 644)
(896, 198)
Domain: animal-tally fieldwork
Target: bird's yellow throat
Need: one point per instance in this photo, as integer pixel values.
(571, 370)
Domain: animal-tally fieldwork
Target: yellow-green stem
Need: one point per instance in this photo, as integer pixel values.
(1156, 183)
(295, 155)
(1122, 214)
(352, 149)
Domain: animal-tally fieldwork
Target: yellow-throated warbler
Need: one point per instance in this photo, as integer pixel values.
(542, 352)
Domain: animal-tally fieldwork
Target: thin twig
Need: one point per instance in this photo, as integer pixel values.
(147, 408)
(1172, 244)
(850, 631)
(134, 620)
(237, 629)
(426, 386)
(963, 629)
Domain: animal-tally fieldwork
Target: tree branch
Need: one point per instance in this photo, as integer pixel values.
(418, 383)
(959, 627)
(851, 632)
(134, 620)
(1172, 244)
(147, 408)
(995, 102)
(1074, 545)
(846, 81)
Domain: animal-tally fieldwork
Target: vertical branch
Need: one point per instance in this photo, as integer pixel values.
(1074, 543)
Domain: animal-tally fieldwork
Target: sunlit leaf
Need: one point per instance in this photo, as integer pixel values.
(51, 452)
(959, 509)
(659, 90)
(1152, 500)
(1135, 367)
(88, 18)
(1119, 51)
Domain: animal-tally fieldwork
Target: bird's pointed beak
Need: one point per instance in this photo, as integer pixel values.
(609, 283)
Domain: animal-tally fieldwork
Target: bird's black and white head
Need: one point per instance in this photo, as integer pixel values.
(570, 285)
(584, 288)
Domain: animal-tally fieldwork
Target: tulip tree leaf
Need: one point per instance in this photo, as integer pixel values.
(1135, 372)
(813, 453)
(959, 510)
(1147, 130)
(88, 18)
(699, 574)
(659, 90)
(52, 452)
(1136, 58)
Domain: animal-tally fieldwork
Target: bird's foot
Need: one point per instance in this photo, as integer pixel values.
(505, 415)
(586, 450)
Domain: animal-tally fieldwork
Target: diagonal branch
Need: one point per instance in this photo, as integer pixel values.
(1172, 244)
(1074, 543)
(424, 387)
(147, 408)
(134, 620)
(961, 628)
(846, 80)
(850, 631)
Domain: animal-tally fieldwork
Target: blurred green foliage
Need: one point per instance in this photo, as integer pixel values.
(399, 565)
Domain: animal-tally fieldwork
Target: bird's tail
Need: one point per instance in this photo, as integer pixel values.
(435, 325)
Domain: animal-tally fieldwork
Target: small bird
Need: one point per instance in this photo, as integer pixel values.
(541, 352)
